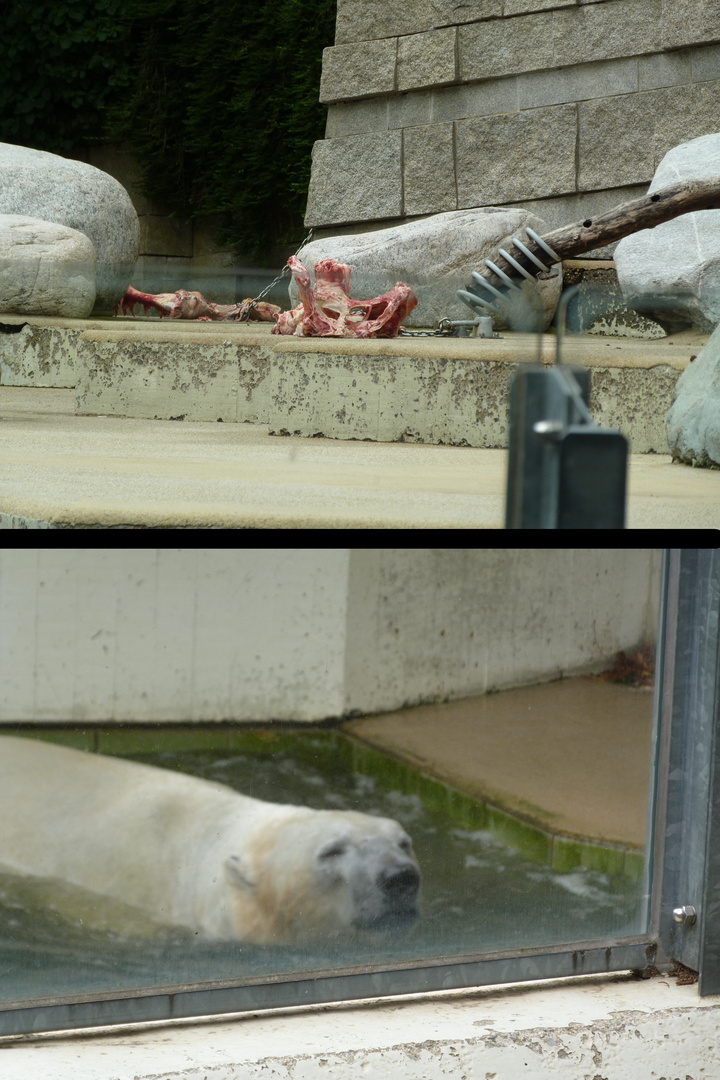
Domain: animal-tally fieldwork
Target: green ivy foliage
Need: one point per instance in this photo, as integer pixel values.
(62, 64)
(218, 100)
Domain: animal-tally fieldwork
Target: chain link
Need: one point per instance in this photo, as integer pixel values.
(274, 282)
(445, 328)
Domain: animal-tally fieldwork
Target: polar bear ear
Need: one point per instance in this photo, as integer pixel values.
(237, 873)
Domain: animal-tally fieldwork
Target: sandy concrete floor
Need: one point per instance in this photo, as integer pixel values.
(571, 756)
(114, 471)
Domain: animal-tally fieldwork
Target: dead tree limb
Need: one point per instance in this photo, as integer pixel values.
(645, 213)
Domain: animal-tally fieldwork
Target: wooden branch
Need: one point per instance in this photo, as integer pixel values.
(645, 213)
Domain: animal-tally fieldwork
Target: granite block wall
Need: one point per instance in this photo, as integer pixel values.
(563, 106)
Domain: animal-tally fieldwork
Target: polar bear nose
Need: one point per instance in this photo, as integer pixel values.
(400, 885)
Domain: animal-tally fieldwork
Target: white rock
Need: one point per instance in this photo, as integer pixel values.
(45, 268)
(71, 193)
(434, 255)
(672, 272)
(693, 421)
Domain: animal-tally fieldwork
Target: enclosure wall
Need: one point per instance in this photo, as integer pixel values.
(254, 634)
(562, 106)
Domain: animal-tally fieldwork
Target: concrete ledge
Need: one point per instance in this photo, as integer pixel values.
(427, 390)
(613, 1028)
(38, 350)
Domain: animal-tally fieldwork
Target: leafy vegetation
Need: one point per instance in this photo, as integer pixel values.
(219, 102)
(63, 63)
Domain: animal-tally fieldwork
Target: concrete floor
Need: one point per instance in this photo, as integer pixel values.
(571, 756)
(62, 469)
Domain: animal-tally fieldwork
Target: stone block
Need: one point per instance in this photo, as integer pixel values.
(541, 163)
(118, 160)
(686, 22)
(45, 268)
(357, 117)
(616, 141)
(705, 63)
(603, 31)
(525, 7)
(161, 235)
(410, 109)
(682, 113)
(355, 179)
(214, 278)
(693, 420)
(582, 83)
(479, 99)
(358, 70)
(672, 272)
(426, 59)
(664, 69)
(434, 255)
(429, 170)
(451, 13)
(361, 20)
(577, 206)
(506, 46)
(205, 232)
(53, 188)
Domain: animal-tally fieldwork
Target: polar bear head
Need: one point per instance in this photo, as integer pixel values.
(314, 873)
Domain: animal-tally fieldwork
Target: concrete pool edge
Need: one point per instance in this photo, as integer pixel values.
(562, 853)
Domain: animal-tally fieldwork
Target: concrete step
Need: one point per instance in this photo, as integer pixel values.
(61, 470)
(427, 390)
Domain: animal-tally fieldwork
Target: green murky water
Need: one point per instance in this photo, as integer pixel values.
(479, 895)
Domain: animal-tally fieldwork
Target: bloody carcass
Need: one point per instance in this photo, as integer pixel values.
(326, 309)
(193, 305)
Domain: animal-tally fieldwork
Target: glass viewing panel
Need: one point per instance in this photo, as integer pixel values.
(527, 810)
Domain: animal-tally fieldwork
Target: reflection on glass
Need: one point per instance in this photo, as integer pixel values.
(524, 809)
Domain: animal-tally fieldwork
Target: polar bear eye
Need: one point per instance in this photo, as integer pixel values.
(333, 850)
(406, 844)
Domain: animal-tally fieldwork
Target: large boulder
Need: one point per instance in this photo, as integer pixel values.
(672, 272)
(435, 256)
(71, 193)
(693, 420)
(45, 268)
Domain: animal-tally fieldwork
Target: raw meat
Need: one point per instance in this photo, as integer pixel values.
(193, 305)
(326, 310)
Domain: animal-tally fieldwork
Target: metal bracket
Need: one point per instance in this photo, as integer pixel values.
(564, 472)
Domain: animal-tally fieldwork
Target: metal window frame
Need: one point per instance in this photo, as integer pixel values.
(684, 836)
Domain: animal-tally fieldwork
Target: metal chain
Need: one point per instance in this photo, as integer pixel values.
(275, 281)
(443, 329)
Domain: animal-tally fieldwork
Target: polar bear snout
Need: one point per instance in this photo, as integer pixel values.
(388, 899)
(400, 885)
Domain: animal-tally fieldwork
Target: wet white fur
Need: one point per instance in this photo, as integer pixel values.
(190, 852)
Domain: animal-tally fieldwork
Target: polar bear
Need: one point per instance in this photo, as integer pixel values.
(196, 854)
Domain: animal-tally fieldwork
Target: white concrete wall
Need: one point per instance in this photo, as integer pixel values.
(425, 625)
(171, 634)
(295, 634)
